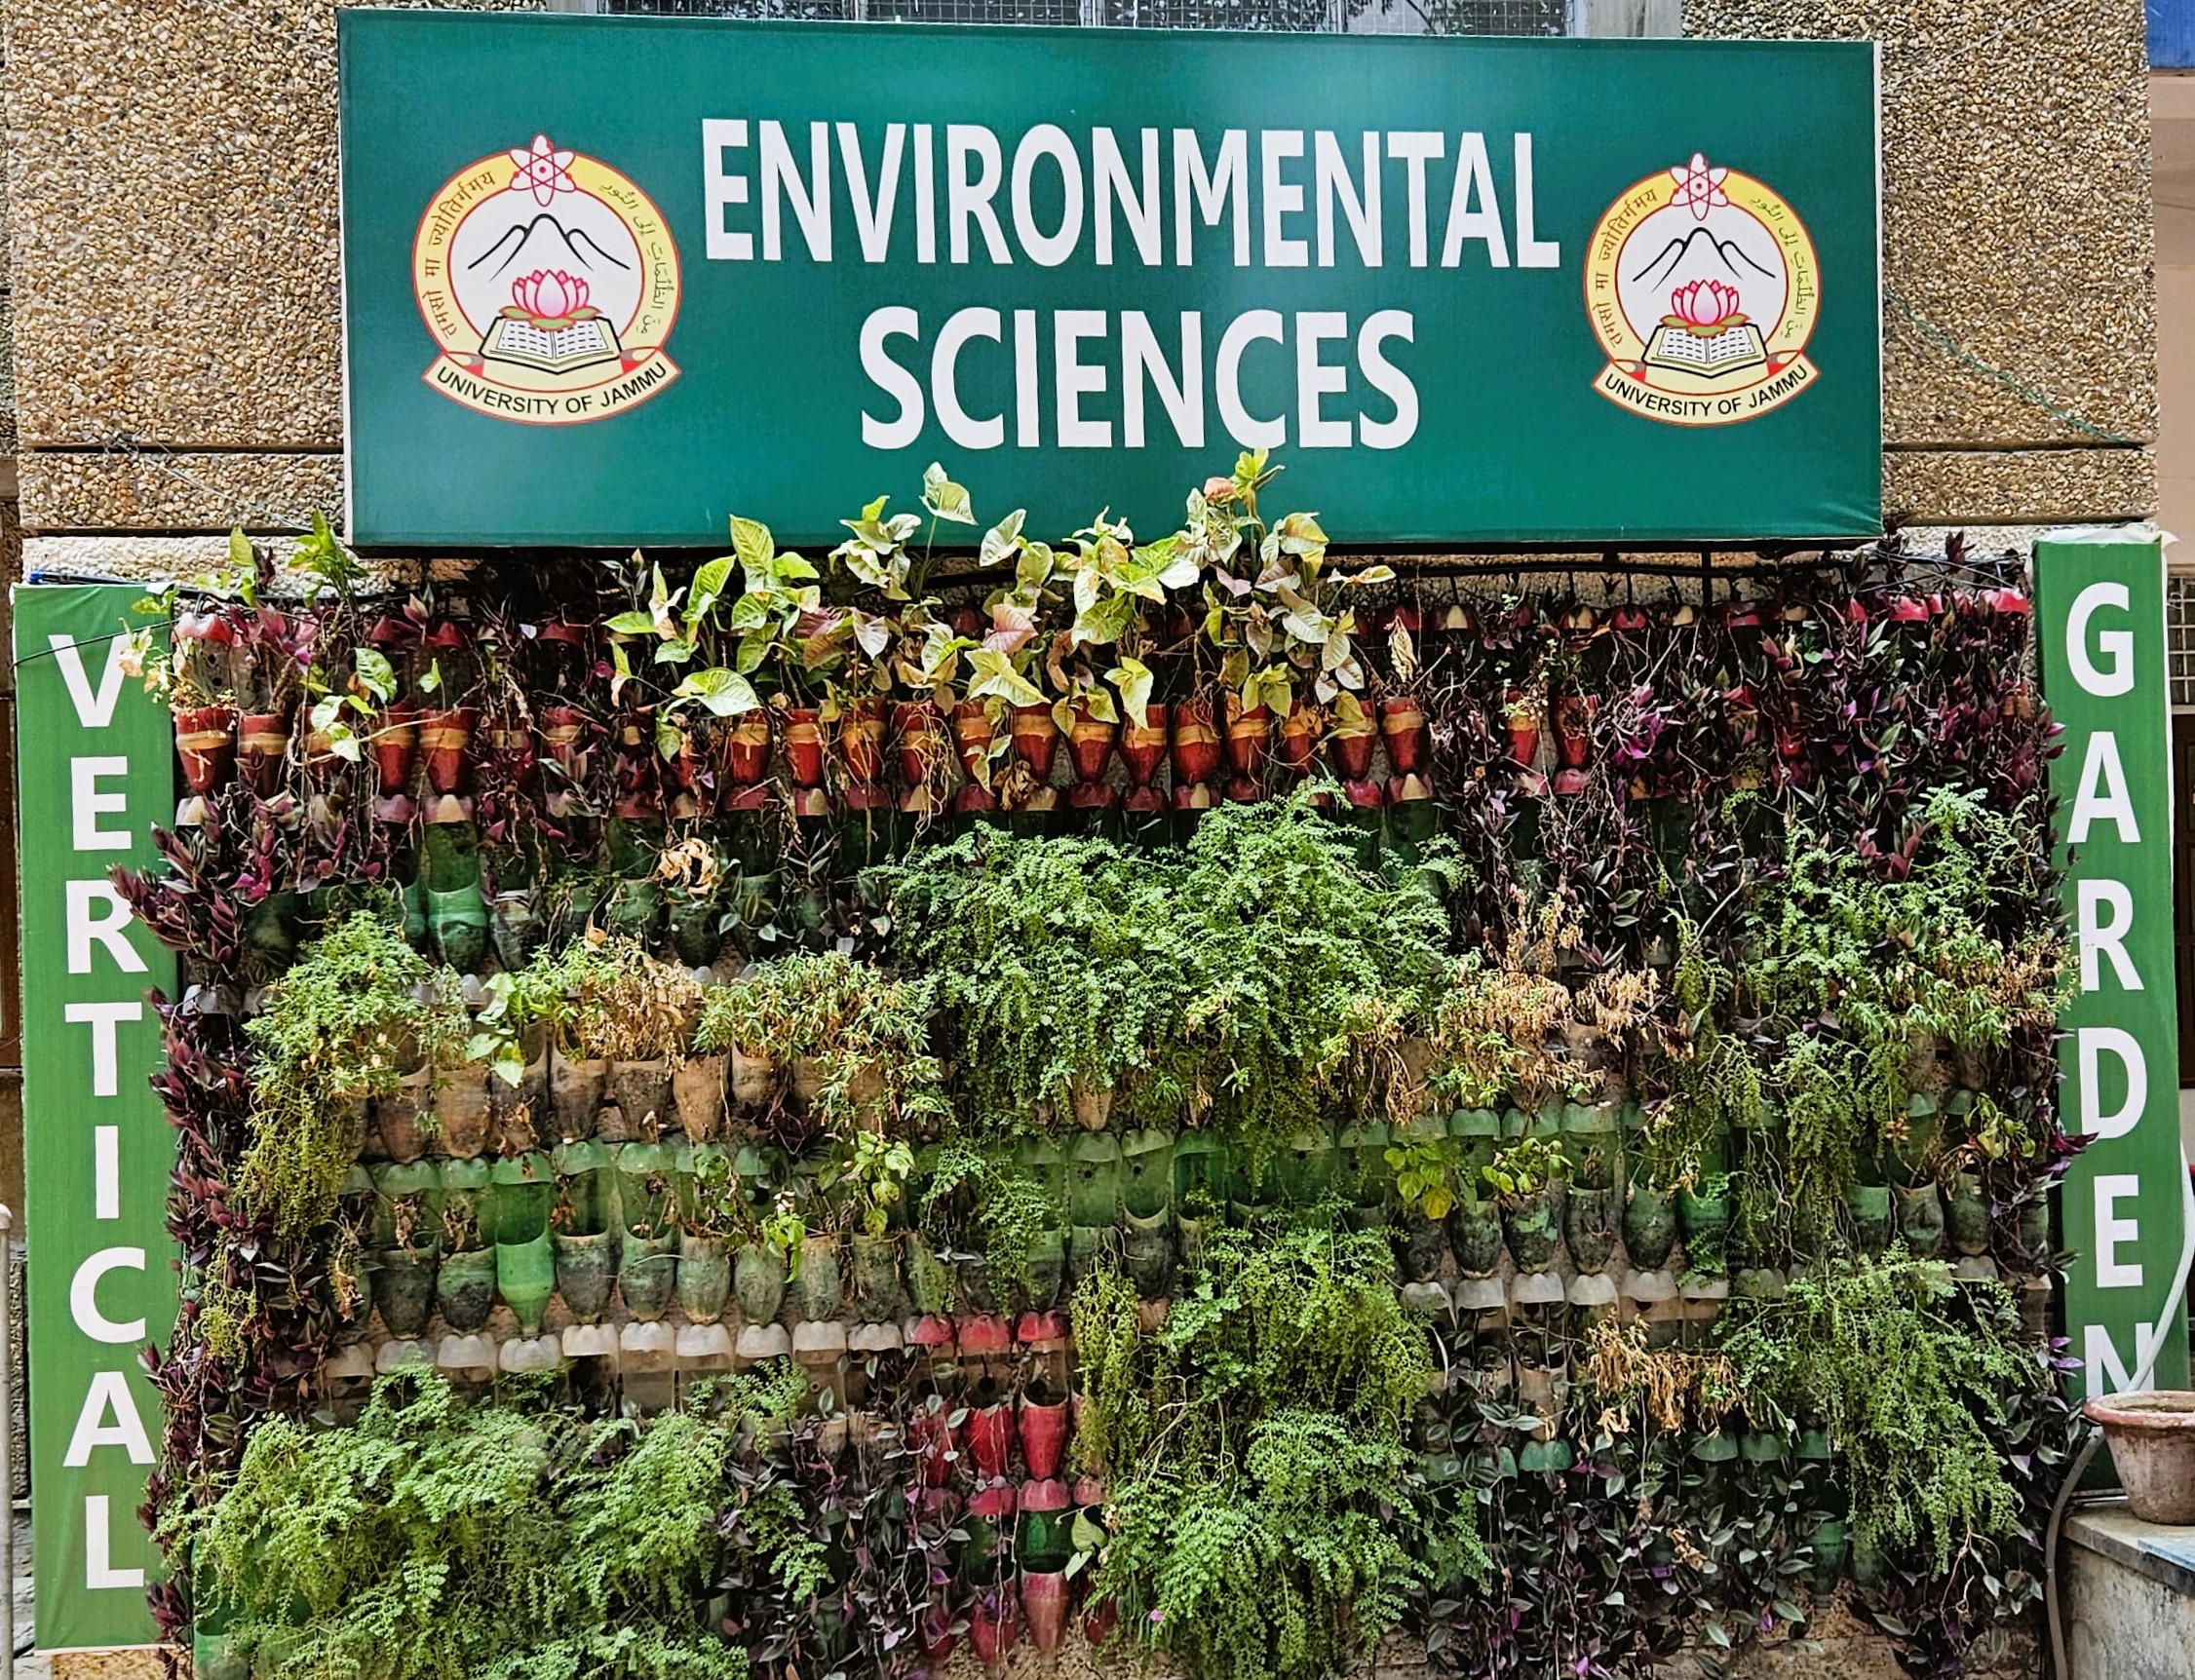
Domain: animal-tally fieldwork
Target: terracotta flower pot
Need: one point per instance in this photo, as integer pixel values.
(2152, 1442)
(262, 739)
(803, 746)
(1196, 743)
(747, 750)
(445, 737)
(1036, 740)
(206, 743)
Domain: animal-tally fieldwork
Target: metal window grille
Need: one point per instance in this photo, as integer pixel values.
(2180, 638)
(1354, 16)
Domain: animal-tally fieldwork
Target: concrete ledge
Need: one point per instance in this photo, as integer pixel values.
(2165, 1555)
(2129, 1597)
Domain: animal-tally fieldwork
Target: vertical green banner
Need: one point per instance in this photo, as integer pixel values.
(94, 771)
(2101, 629)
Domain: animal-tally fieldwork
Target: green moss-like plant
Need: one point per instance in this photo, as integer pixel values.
(344, 1024)
(439, 1540)
(1913, 1374)
(1265, 1523)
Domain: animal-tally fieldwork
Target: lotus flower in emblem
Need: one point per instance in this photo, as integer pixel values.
(550, 293)
(1705, 305)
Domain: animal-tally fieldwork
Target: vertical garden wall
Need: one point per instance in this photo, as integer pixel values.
(803, 1114)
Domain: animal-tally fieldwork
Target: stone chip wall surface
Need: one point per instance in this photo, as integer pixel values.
(173, 179)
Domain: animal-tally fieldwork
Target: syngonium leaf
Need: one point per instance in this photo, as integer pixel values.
(944, 498)
(1131, 678)
(1002, 539)
(725, 693)
(993, 675)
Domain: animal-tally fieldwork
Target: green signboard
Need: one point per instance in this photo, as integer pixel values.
(2102, 633)
(608, 280)
(94, 771)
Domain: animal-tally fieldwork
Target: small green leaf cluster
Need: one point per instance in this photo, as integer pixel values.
(1915, 1376)
(440, 1540)
(344, 1024)
(1241, 978)
(1261, 1516)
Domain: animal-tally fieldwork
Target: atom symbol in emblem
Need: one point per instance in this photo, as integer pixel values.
(1698, 187)
(546, 172)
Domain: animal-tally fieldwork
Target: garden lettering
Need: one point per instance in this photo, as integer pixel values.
(2125, 1200)
(96, 773)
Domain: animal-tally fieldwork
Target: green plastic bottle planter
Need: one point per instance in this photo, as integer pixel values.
(457, 922)
(930, 1280)
(525, 1277)
(1307, 1167)
(1147, 1172)
(1875, 1216)
(876, 1276)
(1966, 1216)
(705, 1278)
(1044, 1160)
(1370, 1180)
(1920, 1221)
(521, 1193)
(1649, 1227)
(820, 1290)
(758, 1279)
(1200, 1167)
(648, 1271)
(585, 1272)
(465, 1288)
(645, 1195)
(1094, 1179)
(1147, 1255)
(632, 910)
(464, 1184)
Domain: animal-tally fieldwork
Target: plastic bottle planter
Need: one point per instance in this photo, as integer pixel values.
(1704, 1221)
(1920, 1221)
(1249, 748)
(575, 1094)
(1046, 1544)
(994, 1625)
(990, 1438)
(403, 1288)
(1142, 748)
(1874, 1217)
(1147, 1172)
(463, 1114)
(407, 1117)
(820, 1288)
(640, 1093)
(1529, 1224)
(1090, 749)
(1044, 1602)
(1424, 1245)
(647, 1272)
(1094, 1179)
(1966, 1216)
(705, 1278)
(632, 910)
(205, 744)
(1147, 1255)
(525, 1277)
(929, 1278)
(515, 928)
(261, 740)
(697, 1096)
(1588, 1226)
(444, 737)
(1196, 752)
(697, 932)
(876, 1277)
(587, 1269)
(1473, 1226)
(1365, 1168)
(758, 1278)
(465, 1289)
(1306, 1168)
